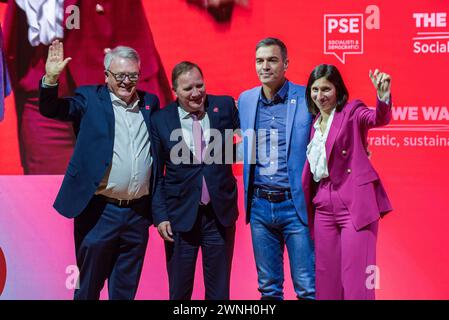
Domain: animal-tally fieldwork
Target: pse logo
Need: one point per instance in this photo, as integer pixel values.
(343, 33)
(432, 36)
(2, 271)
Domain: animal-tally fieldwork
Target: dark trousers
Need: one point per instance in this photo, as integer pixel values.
(217, 246)
(110, 243)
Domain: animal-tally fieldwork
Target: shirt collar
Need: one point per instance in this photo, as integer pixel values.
(117, 101)
(279, 96)
(185, 114)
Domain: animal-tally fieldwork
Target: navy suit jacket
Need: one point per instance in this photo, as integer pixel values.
(297, 135)
(178, 189)
(92, 113)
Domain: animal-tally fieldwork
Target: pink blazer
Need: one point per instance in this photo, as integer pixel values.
(350, 170)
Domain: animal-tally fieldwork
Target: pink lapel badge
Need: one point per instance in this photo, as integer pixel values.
(215, 109)
(147, 107)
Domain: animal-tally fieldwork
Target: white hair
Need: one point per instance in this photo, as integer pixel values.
(120, 52)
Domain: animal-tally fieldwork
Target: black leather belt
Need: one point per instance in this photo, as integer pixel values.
(273, 196)
(122, 203)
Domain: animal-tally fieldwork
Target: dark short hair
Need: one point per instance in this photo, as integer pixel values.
(273, 42)
(331, 73)
(181, 68)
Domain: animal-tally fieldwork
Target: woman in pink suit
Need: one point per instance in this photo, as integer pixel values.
(344, 194)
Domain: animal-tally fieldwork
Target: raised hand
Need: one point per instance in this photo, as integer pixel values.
(55, 62)
(382, 83)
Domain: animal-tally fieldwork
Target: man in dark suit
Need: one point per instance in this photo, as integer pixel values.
(195, 202)
(88, 28)
(107, 186)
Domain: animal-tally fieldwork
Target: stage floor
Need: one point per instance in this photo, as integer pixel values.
(38, 245)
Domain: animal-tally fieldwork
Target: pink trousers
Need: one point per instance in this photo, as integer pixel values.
(345, 258)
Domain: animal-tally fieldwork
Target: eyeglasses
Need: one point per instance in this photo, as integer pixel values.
(120, 77)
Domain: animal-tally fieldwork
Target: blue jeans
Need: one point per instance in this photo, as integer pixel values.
(274, 225)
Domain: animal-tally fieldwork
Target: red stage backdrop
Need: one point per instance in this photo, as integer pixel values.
(408, 39)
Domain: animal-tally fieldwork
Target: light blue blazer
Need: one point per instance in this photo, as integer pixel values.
(298, 128)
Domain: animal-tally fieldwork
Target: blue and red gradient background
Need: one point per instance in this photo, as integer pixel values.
(413, 239)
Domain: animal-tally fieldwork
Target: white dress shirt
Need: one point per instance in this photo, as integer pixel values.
(45, 20)
(186, 126)
(128, 176)
(316, 150)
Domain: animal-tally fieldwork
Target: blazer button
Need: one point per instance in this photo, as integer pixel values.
(344, 152)
(106, 164)
(96, 184)
(99, 8)
(349, 171)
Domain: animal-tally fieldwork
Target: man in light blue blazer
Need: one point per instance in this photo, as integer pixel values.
(275, 124)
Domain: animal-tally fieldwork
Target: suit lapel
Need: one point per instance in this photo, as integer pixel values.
(145, 110)
(333, 131)
(292, 104)
(252, 108)
(213, 112)
(251, 112)
(108, 109)
(172, 118)
(312, 127)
